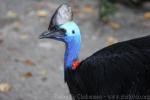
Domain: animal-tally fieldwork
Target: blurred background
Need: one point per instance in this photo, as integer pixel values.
(32, 69)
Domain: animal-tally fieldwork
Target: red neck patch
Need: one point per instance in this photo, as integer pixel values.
(75, 64)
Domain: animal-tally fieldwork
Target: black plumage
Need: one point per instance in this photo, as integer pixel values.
(119, 71)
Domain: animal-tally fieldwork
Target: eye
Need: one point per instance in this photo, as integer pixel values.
(73, 32)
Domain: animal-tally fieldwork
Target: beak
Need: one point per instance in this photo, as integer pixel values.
(55, 34)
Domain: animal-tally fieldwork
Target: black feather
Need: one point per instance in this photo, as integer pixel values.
(122, 69)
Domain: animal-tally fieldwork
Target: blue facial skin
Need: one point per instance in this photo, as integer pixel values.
(72, 41)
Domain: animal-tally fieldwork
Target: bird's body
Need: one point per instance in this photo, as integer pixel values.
(120, 71)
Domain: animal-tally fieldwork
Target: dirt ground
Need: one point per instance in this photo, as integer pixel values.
(32, 69)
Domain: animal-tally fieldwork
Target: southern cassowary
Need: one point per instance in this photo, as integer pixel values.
(119, 71)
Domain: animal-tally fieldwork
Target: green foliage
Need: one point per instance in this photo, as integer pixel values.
(107, 9)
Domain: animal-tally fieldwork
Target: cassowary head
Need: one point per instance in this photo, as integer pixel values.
(63, 28)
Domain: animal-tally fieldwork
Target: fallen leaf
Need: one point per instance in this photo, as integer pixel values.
(147, 15)
(27, 75)
(28, 62)
(42, 13)
(111, 40)
(43, 72)
(5, 87)
(11, 14)
(114, 25)
(24, 36)
(88, 9)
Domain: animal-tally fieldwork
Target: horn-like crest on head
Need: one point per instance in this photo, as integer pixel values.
(62, 15)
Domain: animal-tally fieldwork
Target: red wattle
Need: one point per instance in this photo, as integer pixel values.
(75, 64)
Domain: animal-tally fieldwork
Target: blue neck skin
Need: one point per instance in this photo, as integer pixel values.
(71, 54)
(72, 42)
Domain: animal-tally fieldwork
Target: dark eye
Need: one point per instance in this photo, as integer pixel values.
(73, 32)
